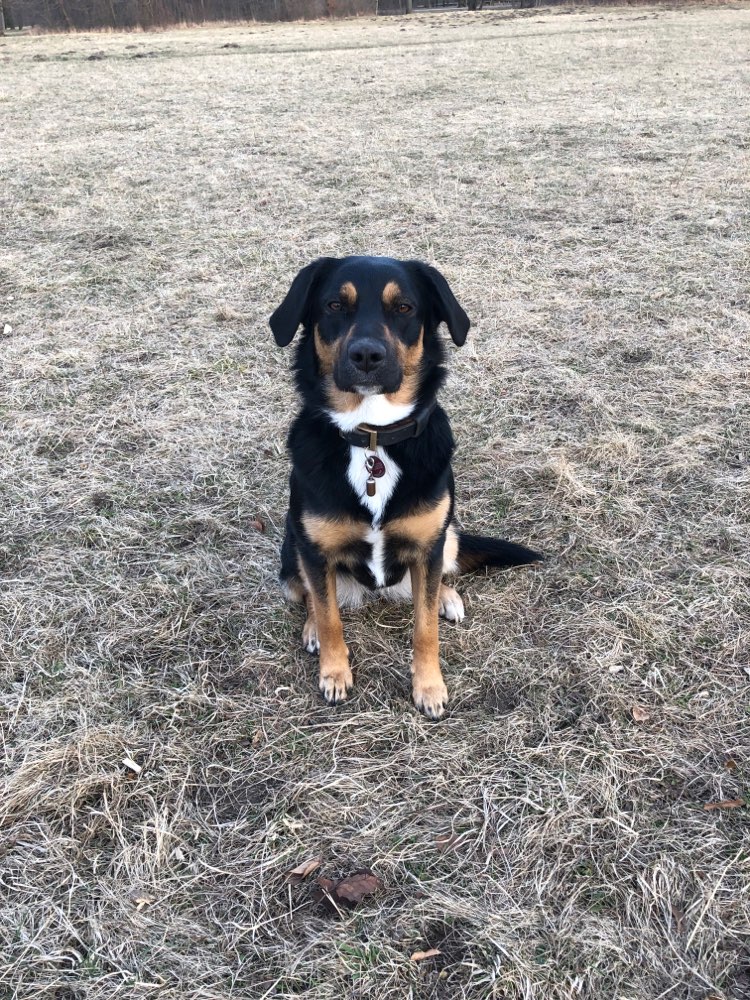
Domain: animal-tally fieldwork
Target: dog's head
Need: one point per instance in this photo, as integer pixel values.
(372, 322)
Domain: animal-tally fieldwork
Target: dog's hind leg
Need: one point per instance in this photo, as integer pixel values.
(451, 607)
(296, 590)
(291, 581)
(310, 639)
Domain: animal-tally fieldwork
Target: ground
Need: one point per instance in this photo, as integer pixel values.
(581, 177)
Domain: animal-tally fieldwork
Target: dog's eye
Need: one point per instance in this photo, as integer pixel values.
(335, 306)
(404, 308)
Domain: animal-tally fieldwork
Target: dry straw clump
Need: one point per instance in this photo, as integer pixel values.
(581, 177)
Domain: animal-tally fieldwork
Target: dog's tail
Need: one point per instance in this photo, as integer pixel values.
(475, 551)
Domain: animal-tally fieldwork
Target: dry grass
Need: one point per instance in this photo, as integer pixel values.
(583, 180)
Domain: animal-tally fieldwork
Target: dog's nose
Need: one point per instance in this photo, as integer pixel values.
(366, 354)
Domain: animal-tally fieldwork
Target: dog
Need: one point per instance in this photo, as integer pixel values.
(371, 486)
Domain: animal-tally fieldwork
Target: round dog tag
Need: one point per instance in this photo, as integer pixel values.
(378, 468)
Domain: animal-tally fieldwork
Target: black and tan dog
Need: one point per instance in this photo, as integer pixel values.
(371, 506)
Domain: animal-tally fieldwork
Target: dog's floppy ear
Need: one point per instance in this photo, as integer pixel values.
(286, 319)
(445, 304)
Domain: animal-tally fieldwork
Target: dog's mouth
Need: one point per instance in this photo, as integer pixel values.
(368, 383)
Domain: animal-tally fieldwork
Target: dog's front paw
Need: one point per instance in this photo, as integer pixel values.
(310, 640)
(451, 605)
(431, 698)
(335, 682)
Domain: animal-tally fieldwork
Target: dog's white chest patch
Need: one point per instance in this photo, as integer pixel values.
(376, 538)
(358, 475)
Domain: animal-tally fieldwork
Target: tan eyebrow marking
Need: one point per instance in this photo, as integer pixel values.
(348, 294)
(391, 295)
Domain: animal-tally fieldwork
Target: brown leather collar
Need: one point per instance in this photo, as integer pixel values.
(366, 436)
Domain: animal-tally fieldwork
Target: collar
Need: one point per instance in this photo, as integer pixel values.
(367, 436)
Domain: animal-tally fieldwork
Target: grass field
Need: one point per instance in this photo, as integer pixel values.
(582, 179)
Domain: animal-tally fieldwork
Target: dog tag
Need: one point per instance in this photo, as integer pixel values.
(375, 467)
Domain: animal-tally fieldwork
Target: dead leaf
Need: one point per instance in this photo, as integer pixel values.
(354, 888)
(420, 956)
(678, 916)
(258, 525)
(141, 901)
(325, 894)
(730, 764)
(301, 872)
(725, 804)
(347, 891)
(640, 714)
(326, 884)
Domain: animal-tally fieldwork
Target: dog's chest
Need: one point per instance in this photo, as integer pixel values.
(378, 411)
(357, 474)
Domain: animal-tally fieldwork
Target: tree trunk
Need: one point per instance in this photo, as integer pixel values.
(2, 19)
